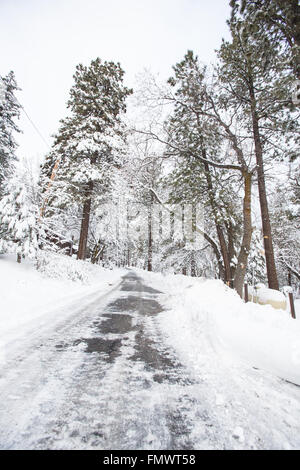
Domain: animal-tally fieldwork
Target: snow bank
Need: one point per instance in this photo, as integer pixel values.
(265, 296)
(65, 268)
(207, 310)
(297, 308)
(27, 294)
(262, 336)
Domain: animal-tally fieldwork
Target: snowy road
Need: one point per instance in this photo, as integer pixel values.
(104, 378)
(101, 379)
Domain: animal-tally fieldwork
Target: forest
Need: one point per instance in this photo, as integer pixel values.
(198, 175)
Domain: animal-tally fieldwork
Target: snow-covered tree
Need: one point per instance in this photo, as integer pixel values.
(201, 130)
(276, 19)
(18, 220)
(256, 270)
(285, 213)
(255, 68)
(9, 112)
(89, 144)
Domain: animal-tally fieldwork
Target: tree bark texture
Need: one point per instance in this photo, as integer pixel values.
(84, 231)
(247, 235)
(266, 226)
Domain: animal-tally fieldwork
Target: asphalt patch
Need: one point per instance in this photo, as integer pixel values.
(110, 348)
(133, 303)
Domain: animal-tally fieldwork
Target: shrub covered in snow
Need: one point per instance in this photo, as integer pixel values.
(18, 219)
(64, 267)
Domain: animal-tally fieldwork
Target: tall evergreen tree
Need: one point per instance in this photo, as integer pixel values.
(18, 220)
(89, 142)
(257, 84)
(285, 212)
(197, 130)
(279, 20)
(9, 112)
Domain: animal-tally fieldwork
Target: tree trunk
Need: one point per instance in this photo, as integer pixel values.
(289, 278)
(292, 270)
(222, 241)
(193, 265)
(295, 21)
(194, 225)
(172, 225)
(160, 218)
(84, 231)
(266, 226)
(183, 269)
(96, 252)
(150, 241)
(247, 234)
(231, 249)
(52, 177)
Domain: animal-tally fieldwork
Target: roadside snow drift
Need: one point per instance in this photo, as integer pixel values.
(28, 294)
(259, 335)
(264, 296)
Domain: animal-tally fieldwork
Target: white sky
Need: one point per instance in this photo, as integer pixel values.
(43, 40)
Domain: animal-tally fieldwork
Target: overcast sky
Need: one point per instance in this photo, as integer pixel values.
(43, 40)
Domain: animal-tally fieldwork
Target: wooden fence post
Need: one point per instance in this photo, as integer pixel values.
(293, 312)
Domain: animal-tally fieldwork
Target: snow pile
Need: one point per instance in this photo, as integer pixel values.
(264, 296)
(28, 295)
(207, 311)
(297, 308)
(64, 267)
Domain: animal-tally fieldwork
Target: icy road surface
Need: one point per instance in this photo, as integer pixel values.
(104, 378)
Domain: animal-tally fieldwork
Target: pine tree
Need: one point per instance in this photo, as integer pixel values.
(279, 20)
(89, 143)
(201, 129)
(256, 270)
(18, 220)
(285, 213)
(9, 112)
(256, 84)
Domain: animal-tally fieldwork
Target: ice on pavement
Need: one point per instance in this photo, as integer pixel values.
(28, 295)
(156, 362)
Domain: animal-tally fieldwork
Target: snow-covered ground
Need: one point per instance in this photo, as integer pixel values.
(29, 296)
(258, 335)
(96, 363)
(297, 308)
(248, 355)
